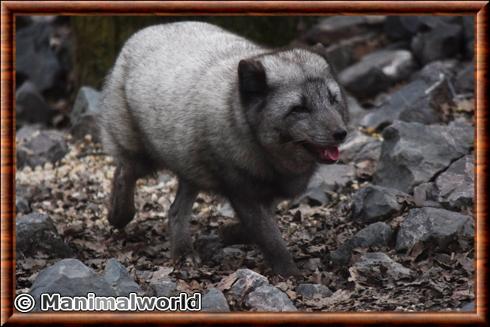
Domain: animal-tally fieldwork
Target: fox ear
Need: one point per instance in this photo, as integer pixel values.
(252, 80)
(320, 50)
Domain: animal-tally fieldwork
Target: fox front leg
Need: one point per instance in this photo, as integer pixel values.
(258, 223)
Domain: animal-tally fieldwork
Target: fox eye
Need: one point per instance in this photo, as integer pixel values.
(298, 109)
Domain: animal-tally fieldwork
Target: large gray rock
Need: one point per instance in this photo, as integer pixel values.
(328, 178)
(35, 233)
(84, 115)
(374, 203)
(470, 306)
(36, 59)
(246, 280)
(30, 106)
(118, 277)
(69, 277)
(377, 234)
(214, 301)
(442, 41)
(269, 298)
(436, 227)
(464, 81)
(332, 177)
(348, 51)
(163, 287)
(402, 27)
(428, 93)
(333, 29)
(310, 291)
(359, 147)
(413, 153)
(36, 147)
(377, 71)
(377, 269)
(425, 194)
(406, 27)
(456, 186)
(356, 113)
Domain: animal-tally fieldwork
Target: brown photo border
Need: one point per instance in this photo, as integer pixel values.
(11, 8)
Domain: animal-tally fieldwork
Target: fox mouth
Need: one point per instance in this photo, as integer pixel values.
(328, 154)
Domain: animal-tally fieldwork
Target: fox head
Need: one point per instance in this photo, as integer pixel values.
(294, 106)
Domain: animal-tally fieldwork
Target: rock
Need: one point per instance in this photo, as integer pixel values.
(214, 301)
(356, 112)
(346, 52)
(376, 72)
(413, 153)
(242, 282)
(22, 206)
(30, 106)
(428, 92)
(118, 277)
(37, 147)
(69, 277)
(470, 306)
(35, 233)
(359, 147)
(341, 256)
(247, 280)
(35, 58)
(406, 27)
(436, 227)
(423, 193)
(402, 27)
(328, 178)
(374, 203)
(440, 42)
(313, 196)
(84, 115)
(337, 28)
(269, 298)
(377, 269)
(332, 177)
(164, 288)
(310, 291)
(377, 234)
(363, 152)
(431, 73)
(464, 81)
(456, 186)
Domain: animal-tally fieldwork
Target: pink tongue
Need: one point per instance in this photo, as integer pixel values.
(331, 153)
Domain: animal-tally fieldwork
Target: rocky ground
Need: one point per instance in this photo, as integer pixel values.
(388, 228)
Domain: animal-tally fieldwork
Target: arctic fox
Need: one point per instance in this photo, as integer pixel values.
(226, 116)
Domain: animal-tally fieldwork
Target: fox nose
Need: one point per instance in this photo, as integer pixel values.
(340, 135)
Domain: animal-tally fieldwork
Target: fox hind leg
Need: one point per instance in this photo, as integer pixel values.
(179, 217)
(121, 206)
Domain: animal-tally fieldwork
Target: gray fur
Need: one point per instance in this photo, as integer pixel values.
(176, 99)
